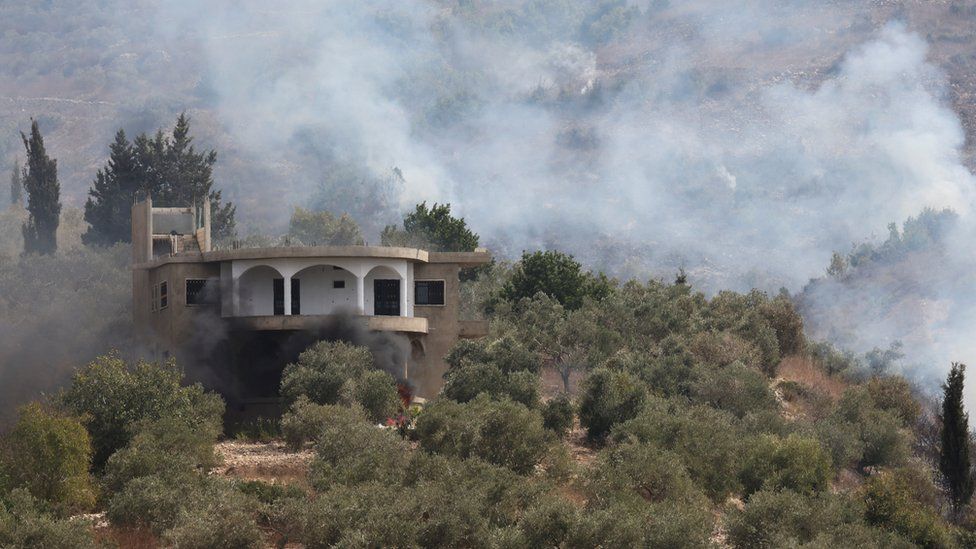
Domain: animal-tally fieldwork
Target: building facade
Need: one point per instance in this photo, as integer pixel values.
(248, 311)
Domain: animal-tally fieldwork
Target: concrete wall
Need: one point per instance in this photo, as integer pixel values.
(177, 323)
(255, 291)
(319, 297)
(442, 328)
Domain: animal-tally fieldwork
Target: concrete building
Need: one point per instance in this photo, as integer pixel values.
(243, 310)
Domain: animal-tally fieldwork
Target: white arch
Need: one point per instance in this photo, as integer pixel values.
(383, 272)
(256, 290)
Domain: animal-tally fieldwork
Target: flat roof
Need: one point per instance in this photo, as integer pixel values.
(466, 259)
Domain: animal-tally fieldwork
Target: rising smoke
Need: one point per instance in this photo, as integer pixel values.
(744, 141)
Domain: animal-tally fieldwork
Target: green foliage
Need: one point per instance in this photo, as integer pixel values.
(376, 392)
(557, 414)
(556, 275)
(152, 501)
(221, 517)
(891, 501)
(323, 369)
(40, 180)
(324, 229)
(304, 421)
(894, 394)
(501, 432)
(114, 397)
(434, 229)
(467, 381)
(607, 398)
(108, 209)
(350, 450)
(793, 463)
(882, 439)
(781, 314)
(177, 175)
(48, 455)
(170, 447)
(734, 388)
(26, 523)
(954, 460)
(708, 442)
(789, 519)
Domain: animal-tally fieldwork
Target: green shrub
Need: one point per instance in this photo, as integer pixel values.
(221, 518)
(793, 463)
(734, 388)
(892, 501)
(267, 493)
(547, 523)
(376, 392)
(893, 394)
(465, 382)
(607, 398)
(303, 422)
(502, 432)
(884, 442)
(842, 440)
(707, 440)
(786, 321)
(789, 519)
(350, 450)
(322, 370)
(152, 501)
(640, 471)
(557, 415)
(25, 523)
(49, 455)
(168, 447)
(114, 396)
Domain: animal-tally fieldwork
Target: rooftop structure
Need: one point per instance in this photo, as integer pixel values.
(249, 304)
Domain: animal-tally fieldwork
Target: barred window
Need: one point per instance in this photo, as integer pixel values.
(163, 295)
(429, 292)
(199, 292)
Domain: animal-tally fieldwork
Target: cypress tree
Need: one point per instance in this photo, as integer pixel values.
(16, 187)
(108, 209)
(954, 455)
(40, 179)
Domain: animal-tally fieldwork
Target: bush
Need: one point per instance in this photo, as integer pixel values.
(467, 381)
(734, 388)
(893, 394)
(24, 523)
(607, 398)
(794, 463)
(547, 523)
(167, 447)
(556, 275)
(376, 392)
(114, 396)
(152, 501)
(884, 442)
(350, 450)
(503, 432)
(642, 472)
(891, 501)
(788, 519)
(557, 415)
(322, 370)
(49, 455)
(303, 422)
(221, 518)
(707, 440)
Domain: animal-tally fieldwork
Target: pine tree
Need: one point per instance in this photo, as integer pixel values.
(109, 206)
(177, 175)
(954, 455)
(40, 178)
(16, 187)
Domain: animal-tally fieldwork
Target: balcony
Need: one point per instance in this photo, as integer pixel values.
(405, 324)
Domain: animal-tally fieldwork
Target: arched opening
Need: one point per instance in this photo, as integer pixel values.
(323, 290)
(383, 292)
(256, 290)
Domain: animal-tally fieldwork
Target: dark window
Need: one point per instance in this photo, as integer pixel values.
(199, 292)
(338, 284)
(296, 296)
(386, 297)
(279, 296)
(429, 292)
(163, 296)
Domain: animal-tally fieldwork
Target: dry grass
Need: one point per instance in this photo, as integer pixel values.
(127, 537)
(807, 372)
(265, 461)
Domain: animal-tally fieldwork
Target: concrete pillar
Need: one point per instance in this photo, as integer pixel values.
(361, 294)
(287, 295)
(403, 298)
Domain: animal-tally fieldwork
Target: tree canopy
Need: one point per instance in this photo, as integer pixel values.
(40, 179)
(324, 229)
(556, 275)
(432, 228)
